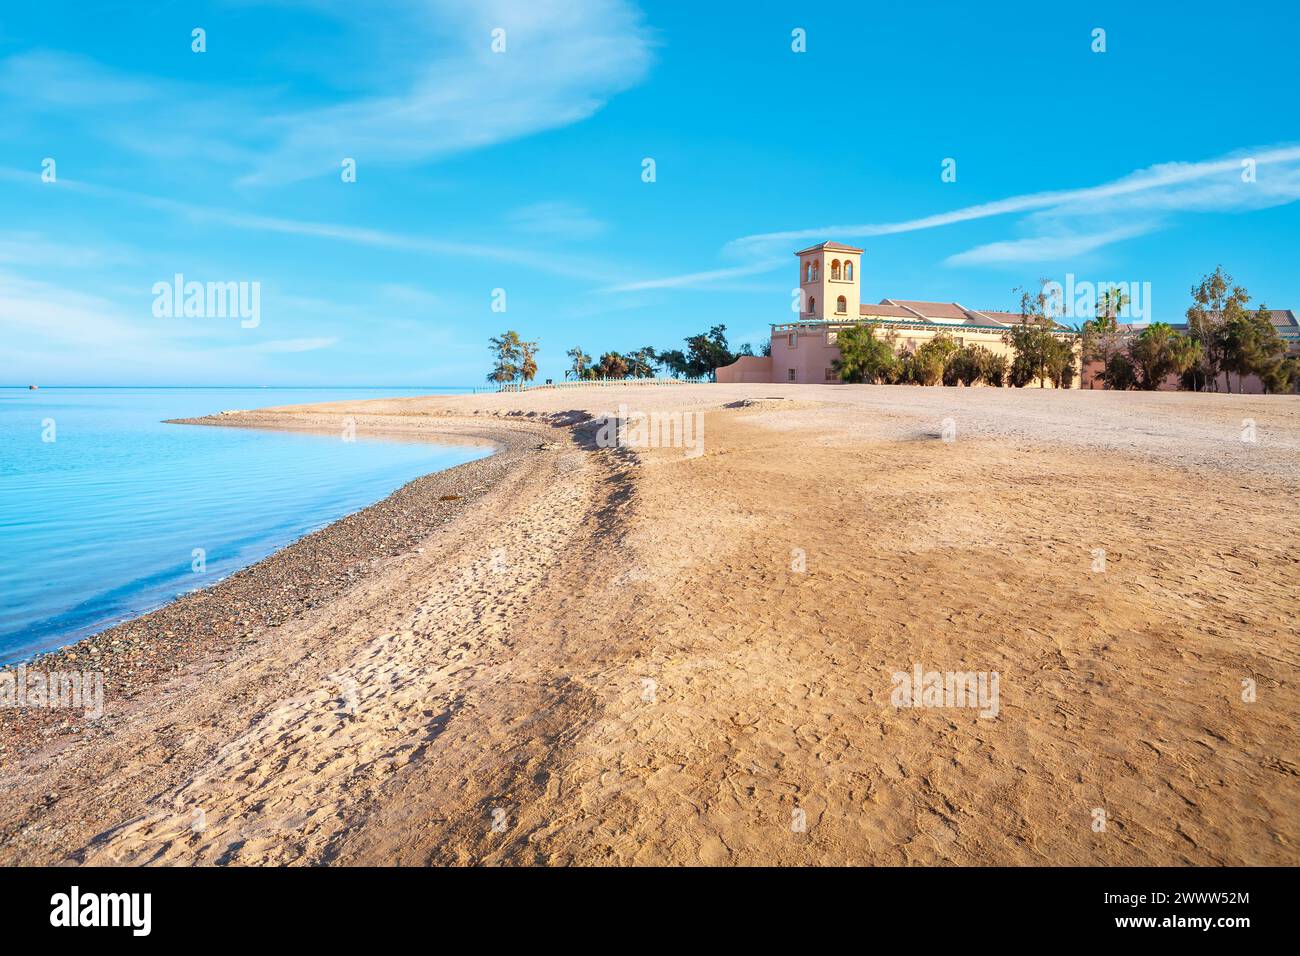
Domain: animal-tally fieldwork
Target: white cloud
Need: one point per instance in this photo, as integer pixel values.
(710, 277)
(296, 345)
(1046, 248)
(556, 219)
(1211, 185)
(566, 266)
(50, 80)
(33, 249)
(1070, 221)
(435, 88)
(562, 62)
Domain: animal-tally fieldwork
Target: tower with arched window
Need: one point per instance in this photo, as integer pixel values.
(828, 282)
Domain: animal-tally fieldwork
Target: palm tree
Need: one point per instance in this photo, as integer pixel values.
(1111, 303)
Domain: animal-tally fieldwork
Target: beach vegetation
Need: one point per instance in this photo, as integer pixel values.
(513, 359)
(612, 365)
(1040, 352)
(580, 366)
(1159, 351)
(1102, 337)
(507, 357)
(864, 356)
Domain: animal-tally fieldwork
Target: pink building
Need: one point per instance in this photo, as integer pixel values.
(804, 349)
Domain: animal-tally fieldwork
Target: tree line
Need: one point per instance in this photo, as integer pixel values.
(515, 360)
(1224, 337)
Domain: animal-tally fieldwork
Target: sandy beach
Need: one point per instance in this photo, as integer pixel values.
(575, 654)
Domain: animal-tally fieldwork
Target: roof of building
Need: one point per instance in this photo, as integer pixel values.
(828, 246)
(1284, 320)
(942, 313)
(886, 311)
(931, 310)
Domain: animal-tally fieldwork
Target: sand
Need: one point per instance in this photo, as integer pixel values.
(612, 656)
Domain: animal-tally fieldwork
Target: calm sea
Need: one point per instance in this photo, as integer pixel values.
(101, 523)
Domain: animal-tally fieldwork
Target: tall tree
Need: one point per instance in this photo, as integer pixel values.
(1262, 348)
(1102, 337)
(1216, 302)
(708, 351)
(641, 363)
(1038, 352)
(612, 366)
(507, 356)
(1111, 303)
(674, 360)
(528, 360)
(579, 362)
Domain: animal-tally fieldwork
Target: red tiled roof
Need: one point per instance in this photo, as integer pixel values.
(931, 310)
(895, 311)
(835, 246)
(1280, 318)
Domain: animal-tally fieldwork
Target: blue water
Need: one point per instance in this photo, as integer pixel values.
(101, 524)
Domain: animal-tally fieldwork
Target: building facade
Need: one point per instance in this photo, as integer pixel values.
(804, 350)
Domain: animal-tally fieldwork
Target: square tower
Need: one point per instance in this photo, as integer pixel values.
(828, 282)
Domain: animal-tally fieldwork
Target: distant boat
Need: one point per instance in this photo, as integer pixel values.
(32, 388)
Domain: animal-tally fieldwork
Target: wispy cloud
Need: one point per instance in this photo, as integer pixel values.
(709, 277)
(1045, 248)
(1067, 222)
(295, 345)
(27, 248)
(562, 62)
(1178, 186)
(557, 220)
(567, 266)
(445, 91)
(51, 80)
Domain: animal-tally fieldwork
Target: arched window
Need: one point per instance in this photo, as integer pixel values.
(835, 268)
(841, 305)
(807, 271)
(812, 305)
(848, 269)
(814, 278)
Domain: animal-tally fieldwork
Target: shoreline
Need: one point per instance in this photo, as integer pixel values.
(198, 627)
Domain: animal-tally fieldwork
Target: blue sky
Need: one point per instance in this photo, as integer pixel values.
(522, 171)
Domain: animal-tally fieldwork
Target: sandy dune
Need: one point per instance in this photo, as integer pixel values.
(616, 657)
